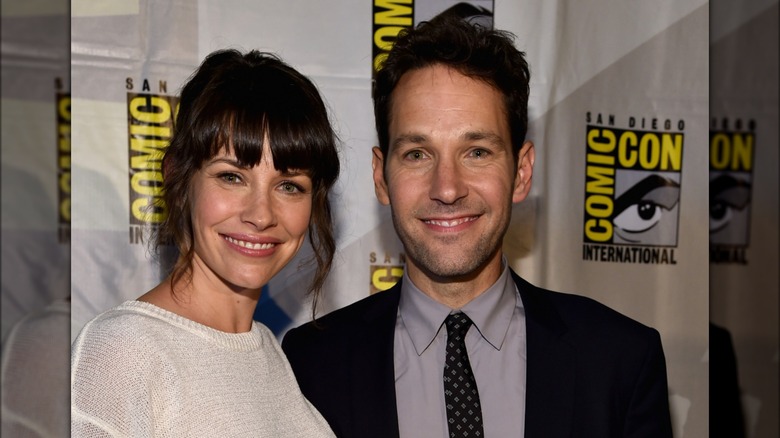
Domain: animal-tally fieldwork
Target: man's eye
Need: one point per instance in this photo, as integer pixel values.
(415, 155)
(479, 153)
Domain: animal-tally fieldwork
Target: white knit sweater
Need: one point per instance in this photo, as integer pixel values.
(34, 380)
(139, 371)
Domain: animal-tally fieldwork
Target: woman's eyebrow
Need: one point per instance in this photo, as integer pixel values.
(225, 160)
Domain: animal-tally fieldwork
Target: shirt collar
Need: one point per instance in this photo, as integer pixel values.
(491, 311)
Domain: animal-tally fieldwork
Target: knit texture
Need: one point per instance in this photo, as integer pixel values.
(34, 381)
(139, 370)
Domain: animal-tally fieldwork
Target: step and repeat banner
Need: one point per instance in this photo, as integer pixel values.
(628, 153)
(35, 150)
(35, 227)
(745, 204)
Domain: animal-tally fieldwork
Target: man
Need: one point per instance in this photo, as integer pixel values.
(451, 114)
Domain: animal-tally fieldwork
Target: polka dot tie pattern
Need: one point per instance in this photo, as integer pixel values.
(461, 397)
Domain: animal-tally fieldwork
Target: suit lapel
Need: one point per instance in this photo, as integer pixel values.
(550, 375)
(372, 370)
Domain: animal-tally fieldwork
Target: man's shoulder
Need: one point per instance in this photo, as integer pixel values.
(363, 311)
(377, 309)
(587, 311)
(582, 314)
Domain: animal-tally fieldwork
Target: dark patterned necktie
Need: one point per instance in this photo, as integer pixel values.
(464, 414)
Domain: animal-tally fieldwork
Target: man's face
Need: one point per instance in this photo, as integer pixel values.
(449, 175)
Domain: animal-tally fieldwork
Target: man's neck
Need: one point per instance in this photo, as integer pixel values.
(455, 292)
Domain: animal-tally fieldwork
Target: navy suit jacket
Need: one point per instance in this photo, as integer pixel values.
(591, 372)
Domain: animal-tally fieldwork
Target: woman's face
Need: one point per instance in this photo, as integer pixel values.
(247, 223)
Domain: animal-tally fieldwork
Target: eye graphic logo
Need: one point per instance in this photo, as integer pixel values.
(646, 211)
(729, 212)
(632, 195)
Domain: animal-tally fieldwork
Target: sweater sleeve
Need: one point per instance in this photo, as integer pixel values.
(110, 388)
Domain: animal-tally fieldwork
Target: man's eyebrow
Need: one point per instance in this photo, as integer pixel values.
(409, 138)
(468, 136)
(484, 135)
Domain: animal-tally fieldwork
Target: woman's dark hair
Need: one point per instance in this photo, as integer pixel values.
(235, 102)
(471, 49)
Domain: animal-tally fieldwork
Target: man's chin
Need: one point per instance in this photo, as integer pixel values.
(449, 271)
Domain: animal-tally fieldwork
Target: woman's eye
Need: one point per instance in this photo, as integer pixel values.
(230, 178)
(289, 187)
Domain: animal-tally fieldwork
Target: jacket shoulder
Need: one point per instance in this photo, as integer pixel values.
(338, 326)
(581, 314)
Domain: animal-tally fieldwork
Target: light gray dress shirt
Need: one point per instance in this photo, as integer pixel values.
(496, 345)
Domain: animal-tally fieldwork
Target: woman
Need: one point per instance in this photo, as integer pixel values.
(246, 177)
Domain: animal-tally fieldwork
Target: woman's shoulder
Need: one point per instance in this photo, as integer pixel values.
(118, 360)
(127, 320)
(132, 329)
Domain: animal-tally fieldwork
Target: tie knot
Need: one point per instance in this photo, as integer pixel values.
(457, 324)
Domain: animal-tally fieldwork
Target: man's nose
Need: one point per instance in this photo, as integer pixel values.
(447, 183)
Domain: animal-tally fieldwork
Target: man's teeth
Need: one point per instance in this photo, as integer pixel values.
(450, 223)
(249, 245)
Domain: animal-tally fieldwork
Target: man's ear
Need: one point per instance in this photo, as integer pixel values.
(380, 186)
(525, 170)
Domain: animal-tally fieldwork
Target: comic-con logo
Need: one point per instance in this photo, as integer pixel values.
(385, 270)
(731, 181)
(150, 126)
(63, 166)
(632, 191)
(392, 16)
